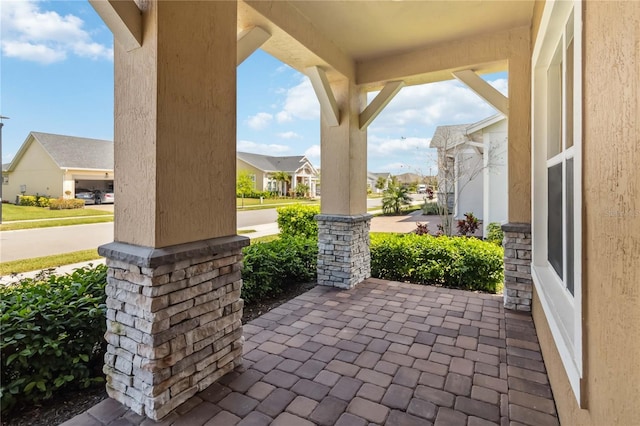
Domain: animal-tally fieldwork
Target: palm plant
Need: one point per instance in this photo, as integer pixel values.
(281, 177)
(394, 198)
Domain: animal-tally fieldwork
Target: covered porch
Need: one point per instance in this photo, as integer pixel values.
(381, 353)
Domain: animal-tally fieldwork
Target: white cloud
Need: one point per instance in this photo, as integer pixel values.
(431, 105)
(32, 34)
(385, 147)
(260, 120)
(300, 103)
(289, 135)
(313, 152)
(261, 148)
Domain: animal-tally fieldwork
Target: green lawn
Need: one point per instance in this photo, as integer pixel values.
(54, 222)
(254, 203)
(12, 212)
(39, 263)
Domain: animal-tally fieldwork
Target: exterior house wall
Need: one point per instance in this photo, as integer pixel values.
(611, 226)
(261, 177)
(495, 174)
(469, 184)
(37, 170)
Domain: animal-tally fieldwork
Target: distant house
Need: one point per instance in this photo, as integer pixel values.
(55, 165)
(263, 169)
(472, 168)
(372, 180)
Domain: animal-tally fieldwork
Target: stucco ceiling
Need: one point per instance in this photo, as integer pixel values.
(343, 35)
(370, 29)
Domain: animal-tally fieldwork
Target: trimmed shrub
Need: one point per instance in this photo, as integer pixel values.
(465, 263)
(298, 220)
(431, 208)
(52, 330)
(270, 268)
(63, 204)
(256, 194)
(494, 233)
(27, 200)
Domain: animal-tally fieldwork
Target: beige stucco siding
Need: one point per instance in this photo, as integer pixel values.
(611, 225)
(37, 170)
(261, 178)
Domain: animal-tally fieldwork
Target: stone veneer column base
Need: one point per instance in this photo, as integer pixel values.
(517, 266)
(173, 321)
(344, 259)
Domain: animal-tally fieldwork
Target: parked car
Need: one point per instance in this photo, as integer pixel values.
(86, 194)
(103, 197)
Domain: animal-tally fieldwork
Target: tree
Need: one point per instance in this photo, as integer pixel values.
(302, 189)
(282, 178)
(381, 183)
(245, 184)
(395, 197)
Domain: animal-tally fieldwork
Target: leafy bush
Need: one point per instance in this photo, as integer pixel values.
(62, 204)
(52, 330)
(431, 208)
(269, 268)
(395, 197)
(298, 220)
(468, 226)
(257, 194)
(33, 200)
(466, 263)
(494, 233)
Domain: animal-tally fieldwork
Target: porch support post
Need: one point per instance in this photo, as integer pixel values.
(173, 288)
(343, 225)
(517, 243)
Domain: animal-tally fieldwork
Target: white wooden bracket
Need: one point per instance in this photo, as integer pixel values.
(379, 102)
(321, 86)
(250, 40)
(484, 90)
(124, 19)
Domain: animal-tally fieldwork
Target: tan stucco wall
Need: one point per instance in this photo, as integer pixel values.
(175, 109)
(38, 171)
(611, 222)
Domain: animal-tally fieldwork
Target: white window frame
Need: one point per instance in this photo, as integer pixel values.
(563, 311)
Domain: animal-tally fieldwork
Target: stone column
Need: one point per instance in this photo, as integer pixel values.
(173, 294)
(517, 266)
(343, 225)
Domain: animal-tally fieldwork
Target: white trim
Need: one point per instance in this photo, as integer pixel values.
(562, 310)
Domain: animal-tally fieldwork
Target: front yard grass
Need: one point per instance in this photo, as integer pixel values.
(45, 262)
(54, 222)
(12, 212)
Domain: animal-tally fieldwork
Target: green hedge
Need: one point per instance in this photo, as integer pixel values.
(52, 335)
(458, 262)
(494, 233)
(33, 200)
(271, 267)
(298, 220)
(63, 204)
(258, 194)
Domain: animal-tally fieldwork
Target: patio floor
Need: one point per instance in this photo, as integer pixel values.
(382, 353)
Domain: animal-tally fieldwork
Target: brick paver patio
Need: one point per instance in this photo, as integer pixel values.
(384, 353)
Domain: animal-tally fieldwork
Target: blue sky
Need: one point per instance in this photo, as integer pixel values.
(56, 68)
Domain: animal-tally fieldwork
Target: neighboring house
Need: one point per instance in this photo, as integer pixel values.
(472, 168)
(55, 165)
(263, 169)
(372, 180)
(410, 179)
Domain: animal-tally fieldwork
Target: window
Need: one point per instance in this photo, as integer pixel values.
(557, 200)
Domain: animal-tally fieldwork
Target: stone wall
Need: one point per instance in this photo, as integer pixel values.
(344, 259)
(173, 321)
(517, 266)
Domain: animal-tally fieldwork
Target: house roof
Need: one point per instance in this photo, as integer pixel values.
(71, 152)
(268, 163)
(453, 135)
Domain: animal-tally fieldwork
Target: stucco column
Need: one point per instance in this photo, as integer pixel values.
(517, 232)
(173, 293)
(343, 225)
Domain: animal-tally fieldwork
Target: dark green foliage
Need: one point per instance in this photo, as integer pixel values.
(257, 194)
(52, 334)
(494, 233)
(394, 198)
(466, 263)
(269, 268)
(298, 220)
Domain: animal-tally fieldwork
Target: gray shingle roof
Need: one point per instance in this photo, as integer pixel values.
(70, 152)
(273, 164)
